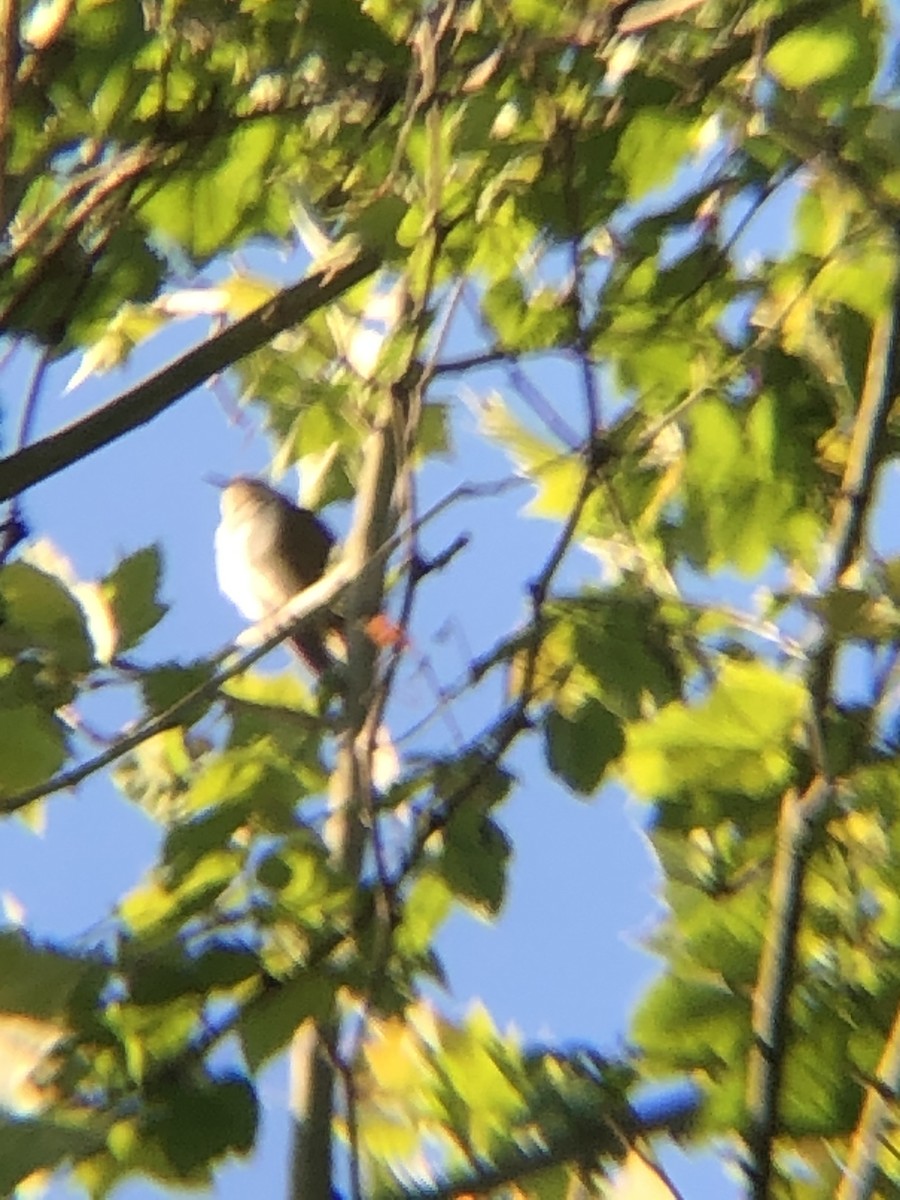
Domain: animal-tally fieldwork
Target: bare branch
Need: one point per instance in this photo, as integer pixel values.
(516, 719)
(458, 366)
(142, 403)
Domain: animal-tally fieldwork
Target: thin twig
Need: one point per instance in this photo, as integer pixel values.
(22, 239)
(29, 407)
(516, 719)
(470, 362)
(298, 613)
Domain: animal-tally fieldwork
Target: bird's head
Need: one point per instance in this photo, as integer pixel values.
(243, 496)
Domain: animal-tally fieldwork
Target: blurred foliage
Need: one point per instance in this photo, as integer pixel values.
(591, 179)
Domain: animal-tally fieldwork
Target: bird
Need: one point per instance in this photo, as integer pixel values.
(267, 550)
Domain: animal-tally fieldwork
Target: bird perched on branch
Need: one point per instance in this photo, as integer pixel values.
(268, 550)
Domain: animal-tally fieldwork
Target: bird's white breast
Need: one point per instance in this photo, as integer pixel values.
(234, 571)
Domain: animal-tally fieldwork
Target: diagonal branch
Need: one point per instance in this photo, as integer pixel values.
(308, 605)
(142, 403)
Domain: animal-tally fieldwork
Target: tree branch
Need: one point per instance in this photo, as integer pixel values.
(878, 1110)
(297, 614)
(800, 816)
(142, 403)
(312, 1071)
(796, 825)
(858, 483)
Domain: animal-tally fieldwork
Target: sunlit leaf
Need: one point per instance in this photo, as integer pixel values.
(740, 736)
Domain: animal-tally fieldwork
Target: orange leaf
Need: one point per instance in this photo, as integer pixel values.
(384, 632)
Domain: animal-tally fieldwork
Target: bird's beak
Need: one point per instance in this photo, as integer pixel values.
(217, 481)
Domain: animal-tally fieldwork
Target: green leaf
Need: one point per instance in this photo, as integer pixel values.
(156, 910)
(300, 873)
(580, 748)
(822, 1084)
(240, 783)
(557, 476)
(39, 980)
(39, 611)
(836, 54)
(202, 1122)
(377, 224)
(169, 973)
(189, 206)
(651, 148)
(154, 1033)
(475, 860)
(618, 647)
(33, 747)
(345, 29)
(129, 270)
(434, 436)
(540, 14)
(689, 1024)
(38, 1144)
(473, 1060)
(269, 1023)
(739, 738)
(853, 613)
(860, 277)
(171, 684)
(132, 590)
(424, 911)
(747, 485)
(188, 842)
(532, 321)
